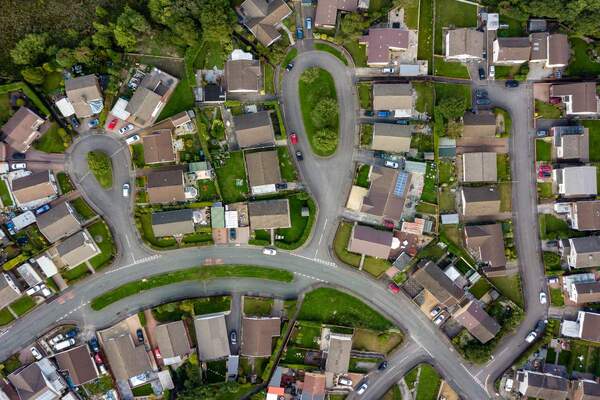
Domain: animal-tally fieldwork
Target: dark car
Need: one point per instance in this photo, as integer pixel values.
(72, 333)
(299, 34)
(383, 365)
(233, 337)
(403, 122)
(481, 73)
(289, 67)
(74, 122)
(379, 154)
(483, 102)
(299, 155)
(541, 133)
(369, 113)
(18, 156)
(481, 93)
(232, 234)
(42, 209)
(281, 186)
(140, 335)
(94, 345)
(511, 83)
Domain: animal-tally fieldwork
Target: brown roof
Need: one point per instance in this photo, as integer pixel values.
(314, 386)
(158, 147)
(370, 241)
(559, 50)
(211, 336)
(464, 42)
(263, 168)
(482, 124)
(587, 215)
(81, 91)
(21, 129)
(126, 360)
(262, 16)
(77, 248)
(36, 186)
(258, 334)
(546, 386)
(587, 292)
(473, 317)
(150, 97)
(479, 167)
(487, 243)
(338, 353)
(392, 137)
(326, 13)
(380, 41)
(31, 384)
(539, 46)
(392, 96)
(572, 145)
(254, 129)
(243, 75)
(513, 49)
(269, 214)
(591, 327)
(165, 186)
(172, 340)
(7, 293)
(583, 96)
(586, 390)
(432, 278)
(78, 363)
(59, 222)
(481, 200)
(173, 222)
(383, 200)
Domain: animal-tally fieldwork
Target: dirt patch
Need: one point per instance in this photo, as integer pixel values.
(380, 342)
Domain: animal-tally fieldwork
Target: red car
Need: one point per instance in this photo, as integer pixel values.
(98, 359)
(392, 287)
(157, 354)
(294, 138)
(113, 123)
(389, 224)
(555, 100)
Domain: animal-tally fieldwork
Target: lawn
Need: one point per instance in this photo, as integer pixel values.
(83, 209)
(311, 93)
(52, 82)
(425, 46)
(5, 317)
(210, 305)
(447, 201)
(505, 189)
(423, 142)
(509, 286)
(216, 371)
(358, 52)
(101, 166)
(258, 306)
(286, 165)
(55, 140)
(232, 178)
(429, 383)
(195, 274)
(547, 110)
(5, 108)
(76, 273)
(35, 242)
(503, 167)
(137, 155)
(552, 228)
(505, 126)
(207, 191)
(21, 306)
(365, 94)
(516, 28)
(144, 222)
(306, 334)
(480, 288)
(269, 79)
(362, 176)
(452, 13)
(443, 90)
(447, 172)
(411, 10)
(5, 194)
(366, 135)
(331, 306)
(375, 341)
(144, 390)
(64, 182)
(290, 56)
(552, 264)
(182, 98)
(340, 244)
(429, 194)
(544, 190)
(594, 128)
(543, 150)
(297, 234)
(424, 102)
(449, 69)
(331, 50)
(103, 238)
(556, 297)
(581, 64)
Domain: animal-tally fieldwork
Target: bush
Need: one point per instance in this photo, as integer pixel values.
(101, 166)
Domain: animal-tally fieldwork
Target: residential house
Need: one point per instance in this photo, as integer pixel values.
(150, 97)
(85, 96)
(571, 142)
(479, 201)
(327, 10)
(313, 387)
(473, 317)
(396, 97)
(579, 98)
(34, 189)
(486, 243)
(532, 384)
(22, 129)
(585, 292)
(47, 266)
(165, 186)
(385, 199)
(559, 51)
(585, 215)
(29, 274)
(263, 18)
(370, 241)
(581, 252)
(438, 284)
(9, 291)
(243, 75)
(173, 342)
(269, 214)
(76, 249)
(258, 334)
(482, 124)
(173, 223)
(158, 147)
(263, 171)
(254, 130)
(464, 44)
(38, 381)
(479, 167)
(575, 181)
(211, 336)
(78, 364)
(586, 327)
(586, 390)
(59, 222)
(511, 50)
(392, 138)
(539, 47)
(338, 353)
(381, 43)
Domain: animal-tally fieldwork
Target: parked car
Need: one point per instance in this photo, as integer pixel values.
(383, 365)
(294, 138)
(232, 234)
(18, 156)
(403, 121)
(98, 359)
(289, 67)
(299, 155)
(388, 70)
(383, 114)
(481, 73)
(389, 224)
(511, 83)
(42, 209)
(157, 353)
(281, 186)
(299, 33)
(56, 339)
(72, 333)
(379, 154)
(46, 292)
(492, 72)
(369, 113)
(308, 23)
(126, 128)
(362, 389)
(132, 139)
(74, 122)
(554, 100)
(94, 345)
(126, 190)
(531, 337)
(36, 353)
(483, 102)
(93, 123)
(543, 298)
(233, 337)
(113, 123)
(391, 164)
(267, 251)
(541, 133)
(33, 289)
(435, 311)
(20, 165)
(65, 344)
(140, 335)
(392, 287)
(439, 319)
(345, 381)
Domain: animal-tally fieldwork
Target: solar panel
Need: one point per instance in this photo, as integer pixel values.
(400, 184)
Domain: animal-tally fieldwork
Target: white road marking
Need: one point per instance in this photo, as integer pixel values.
(321, 238)
(317, 260)
(136, 262)
(73, 310)
(310, 277)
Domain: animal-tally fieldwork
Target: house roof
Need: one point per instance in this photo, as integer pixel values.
(587, 251)
(587, 214)
(143, 105)
(578, 181)
(243, 75)
(464, 42)
(546, 386)
(386, 193)
(480, 200)
(126, 360)
(539, 46)
(258, 334)
(392, 137)
(380, 41)
(583, 95)
(590, 329)
(21, 129)
(7, 293)
(326, 13)
(158, 147)
(559, 50)
(479, 167)
(81, 91)
(513, 49)
(370, 241)
(269, 214)
(487, 242)
(211, 335)
(33, 187)
(165, 186)
(31, 384)
(587, 292)
(392, 96)
(574, 145)
(58, 222)
(174, 222)
(482, 124)
(314, 386)
(263, 168)
(254, 129)
(338, 354)
(172, 340)
(478, 322)
(262, 16)
(432, 278)
(78, 363)
(77, 248)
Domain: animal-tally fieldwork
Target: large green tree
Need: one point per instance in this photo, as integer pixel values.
(217, 20)
(325, 113)
(31, 50)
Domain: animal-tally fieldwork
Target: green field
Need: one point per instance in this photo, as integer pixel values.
(374, 266)
(594, 129)
(229, 175)
(503, 167)
(55, 140)
(424, 102)
(5, 317)
(297, 234)
(64, 182)
(286, 165)
(210, 305)
(258, 306)
(547, 110)
(365, 93)
(480, 288)
(5, 194)
(76, 273)
(429, 383)
(509, 286)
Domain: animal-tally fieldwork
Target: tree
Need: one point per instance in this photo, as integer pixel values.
(309, 75)
(103, 37)
(31, 49)
(34, 75)
(451, 108)
(325, 113)
(217, 20)
(65, 58)
(352, 26)
(128, 28)
(326, 140)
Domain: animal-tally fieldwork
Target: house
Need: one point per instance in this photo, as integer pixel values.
(571, 142)
(486, 243)
(326, 13)
(263, 171)
(392, 138)
(479, 167)
(258, 334)
(479, 201)
(263, 18)
(473, 317)
(254, 130)
(532, 384)
(34, 189)
(338, 353)
(243, 75)
(585, 215)
(464, 44)
(370, 241)
(158, 147)
(539, 47)
(586, 390)
(173, 223)
(482, 124)
(85, 96)
(579, 98)
(22, 129)
(9, 291)
(78, 364)
(382, 42)
(438, 284)
(211, 336)
(38, 381)
(59, 222)
(397, 97)
(150, 97)
(385, 199)
(29, 274)
(76, 249)
(313, 387)
(575, 181)
(173, 342)
(165, 186)
(511, 50)
(586, 327)
(581, 252)
(585, 292)
(47, 266)
(269, 214)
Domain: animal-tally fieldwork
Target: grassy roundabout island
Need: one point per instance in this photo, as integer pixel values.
(320, 114)
(101, 166)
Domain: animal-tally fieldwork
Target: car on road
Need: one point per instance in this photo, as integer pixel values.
(20, 165)
(299, 155)
(439, 319)
(113, 123)
(391, 164)
(392, 287)
(93, 123)
(511, 83)
(383, 365)
(126, 128)
(289, 67)
(299, 33)
(267, 251)
(132, 139)
(36, 353)
(126, 190)
(388, 70)
(308, 23)
(481, 73)
(541, 133)
(140, 335)
(233, 337)
(74, 121)
(531, 337)
(543, 298)
(294, 138)
(483, 102)
(42, 209)
(362, 389)
(18, 156)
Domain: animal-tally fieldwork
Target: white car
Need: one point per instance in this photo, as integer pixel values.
(531, 337)
(33, 290)
(20, 165)
(362, 388)
(543, 298)
(439, 319)
(126, 190)
(132, 139)
(36, 354)
(126, 128)
(56, 339)
(269, 252)
(391, 164)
